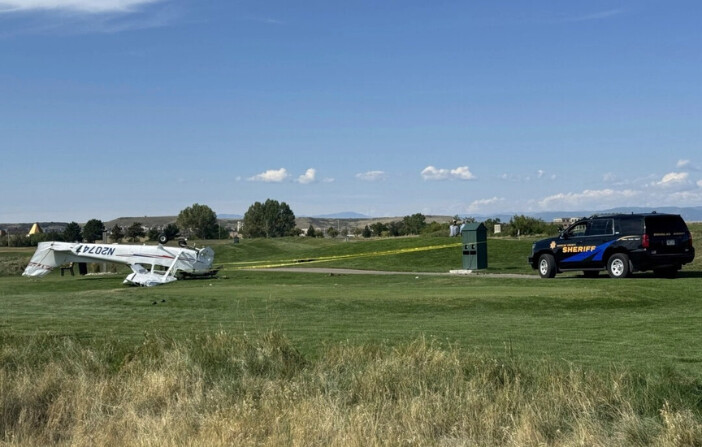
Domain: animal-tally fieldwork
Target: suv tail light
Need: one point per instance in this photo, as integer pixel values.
(645, 241)
(689, 239)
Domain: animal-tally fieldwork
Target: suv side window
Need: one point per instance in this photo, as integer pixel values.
(600, 227)
(578, 229)
(629, 226)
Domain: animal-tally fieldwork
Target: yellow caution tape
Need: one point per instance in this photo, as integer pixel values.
(286, 263)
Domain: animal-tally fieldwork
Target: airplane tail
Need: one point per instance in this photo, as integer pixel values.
(45, 259)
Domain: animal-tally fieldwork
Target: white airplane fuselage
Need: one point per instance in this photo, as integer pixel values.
(50, 255)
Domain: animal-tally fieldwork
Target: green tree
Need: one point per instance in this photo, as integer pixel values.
(414, 224)
(269, 219)
(378, 227)
(332, 232)
(72, 233)
(116, 233)
(435, 227)
(135, 231)
(366, 232)
(171, 231)
(396, 228)
(523, 226)
(93, 229)
(311, 231)
(153, 234)
(199, 220)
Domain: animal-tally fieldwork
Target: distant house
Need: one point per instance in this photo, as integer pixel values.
(565, 221)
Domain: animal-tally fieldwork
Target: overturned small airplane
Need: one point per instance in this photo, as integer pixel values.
(181, 262)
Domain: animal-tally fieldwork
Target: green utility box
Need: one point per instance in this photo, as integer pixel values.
(474, 246)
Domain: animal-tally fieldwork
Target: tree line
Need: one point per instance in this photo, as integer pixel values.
(270, 219)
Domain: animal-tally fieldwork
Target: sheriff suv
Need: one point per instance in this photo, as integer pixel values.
(618, 243)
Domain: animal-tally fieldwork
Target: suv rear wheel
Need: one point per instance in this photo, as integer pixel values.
(618, 265)
(547, 266)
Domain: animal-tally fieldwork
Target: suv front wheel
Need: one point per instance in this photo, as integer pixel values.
(547, 266)
(618, 265)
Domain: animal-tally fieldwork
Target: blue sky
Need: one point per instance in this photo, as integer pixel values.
(114, 108)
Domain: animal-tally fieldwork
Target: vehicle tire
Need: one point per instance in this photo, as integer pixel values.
(547, 266)
(618, 266)
(591, 273)
(182, 243)
(162, 238)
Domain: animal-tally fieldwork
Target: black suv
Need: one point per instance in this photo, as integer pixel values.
(618, 243)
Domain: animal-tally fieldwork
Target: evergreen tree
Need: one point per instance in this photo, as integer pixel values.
(135, 231)
(311, 231)
(93, 229)
(116, 233)
(72, 233)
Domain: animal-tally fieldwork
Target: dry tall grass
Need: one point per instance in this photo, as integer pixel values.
(224, 390)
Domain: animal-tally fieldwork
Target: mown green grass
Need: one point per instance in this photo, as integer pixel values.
(643, 322)
(408, 254)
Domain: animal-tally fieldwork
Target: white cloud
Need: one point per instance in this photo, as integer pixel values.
(481, 204)
(673, 179)
(271, 176)
(462, 173)
(683, 163)
(431, 173)
(84, 6)
(586, 17)
(308, 176)
(459, 173)
(598, 199)
(540, 173)
(371, 176)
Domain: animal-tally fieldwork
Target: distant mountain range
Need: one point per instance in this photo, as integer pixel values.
(229, 216)
(689, 214)
(342, 215)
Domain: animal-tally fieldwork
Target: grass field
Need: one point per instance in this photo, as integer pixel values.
(643, 332)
